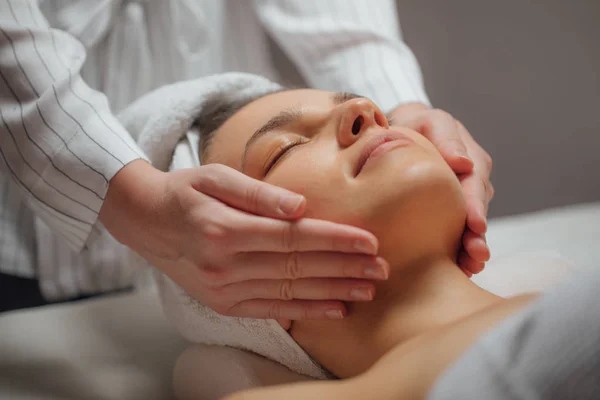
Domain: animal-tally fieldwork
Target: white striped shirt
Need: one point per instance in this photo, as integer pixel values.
(67, 65)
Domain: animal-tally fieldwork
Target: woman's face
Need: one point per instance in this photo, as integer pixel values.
(340, 153)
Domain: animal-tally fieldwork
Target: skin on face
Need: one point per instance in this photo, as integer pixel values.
(407, 196)
(331, 132)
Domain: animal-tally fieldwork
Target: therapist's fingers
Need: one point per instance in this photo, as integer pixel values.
(300, 289)
(475, 246)
(253, 233)
(468, 273)
(242, 192)
(477, 184)
(298, 265)
(288, 310)
(440, 128)
(468, 265)
(490, 193)
(474, 253)
(476, 197)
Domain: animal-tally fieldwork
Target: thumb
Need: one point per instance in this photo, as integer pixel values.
(453, 151)
(443, 131)
(242, 192)
(447, 140)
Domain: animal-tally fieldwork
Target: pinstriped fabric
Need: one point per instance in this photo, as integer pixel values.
(66, 66)
(354, 46)
(39, 100)
(16, 238)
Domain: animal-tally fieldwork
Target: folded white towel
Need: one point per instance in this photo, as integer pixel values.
(161, 122)
(161, 118)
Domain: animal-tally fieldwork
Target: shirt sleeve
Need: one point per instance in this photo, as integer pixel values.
(347, 45)
(59, 141)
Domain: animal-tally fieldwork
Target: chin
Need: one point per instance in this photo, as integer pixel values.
(424, 197)
(399, 180)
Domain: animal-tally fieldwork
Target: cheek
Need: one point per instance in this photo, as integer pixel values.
(319, 176)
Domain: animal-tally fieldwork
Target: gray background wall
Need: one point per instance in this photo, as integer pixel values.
(522, 75)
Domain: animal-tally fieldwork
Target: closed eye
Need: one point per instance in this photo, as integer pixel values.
(280, 152)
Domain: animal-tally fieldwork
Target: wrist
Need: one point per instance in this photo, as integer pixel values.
(129, 192)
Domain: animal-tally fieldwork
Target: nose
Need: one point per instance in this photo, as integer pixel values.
(356, 117)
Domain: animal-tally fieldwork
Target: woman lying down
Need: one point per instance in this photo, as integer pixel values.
(339, 151)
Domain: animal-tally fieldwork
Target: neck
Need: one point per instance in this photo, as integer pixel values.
(423, 293)
(426, 288)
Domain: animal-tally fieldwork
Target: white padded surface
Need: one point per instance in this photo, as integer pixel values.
(120, 347)
(211, 372)
(123, 348)
(572, 232)
(533, 252)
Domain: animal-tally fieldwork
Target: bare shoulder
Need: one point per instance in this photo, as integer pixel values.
(410, 370)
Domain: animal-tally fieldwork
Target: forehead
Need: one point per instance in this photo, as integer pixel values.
(229, 141)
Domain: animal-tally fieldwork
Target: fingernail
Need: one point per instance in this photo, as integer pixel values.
(289, 203)
(361, 294)
(489, 253)
(334, 314)
(378, 270)
(480, 211)
(365, 246)
(462, 154)
(467, 159)
(484, 221)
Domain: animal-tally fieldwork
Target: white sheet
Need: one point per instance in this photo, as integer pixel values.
(573, 232)
(123, 348)
(120, 347)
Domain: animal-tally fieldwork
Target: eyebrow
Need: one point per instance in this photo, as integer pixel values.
(288, 117)
(342, 97)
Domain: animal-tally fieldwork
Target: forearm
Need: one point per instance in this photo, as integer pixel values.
(59, 141)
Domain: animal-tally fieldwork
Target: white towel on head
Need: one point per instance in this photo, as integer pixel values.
(161, 118)
(161, 122)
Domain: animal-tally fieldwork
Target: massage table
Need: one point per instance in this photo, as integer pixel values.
(122, 347)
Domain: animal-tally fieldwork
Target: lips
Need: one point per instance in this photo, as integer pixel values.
(377, 145)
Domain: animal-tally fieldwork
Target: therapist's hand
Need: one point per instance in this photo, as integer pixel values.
(234, 244)
(470, 162)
